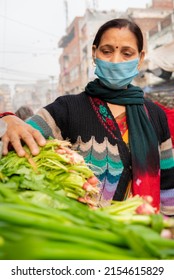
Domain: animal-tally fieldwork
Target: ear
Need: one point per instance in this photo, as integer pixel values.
(93, 52)
(142, 55)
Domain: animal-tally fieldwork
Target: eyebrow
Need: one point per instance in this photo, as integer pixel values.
(128, 47)
(123, 47)
(106, 45)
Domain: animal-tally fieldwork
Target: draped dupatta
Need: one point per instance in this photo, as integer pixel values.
(143, 142)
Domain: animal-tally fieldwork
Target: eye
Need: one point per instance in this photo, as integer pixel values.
(127, 54)
(107, 51)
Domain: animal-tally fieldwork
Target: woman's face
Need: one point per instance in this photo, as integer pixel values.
(117, 45)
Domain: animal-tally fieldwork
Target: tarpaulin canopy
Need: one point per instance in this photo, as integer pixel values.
(162, 57)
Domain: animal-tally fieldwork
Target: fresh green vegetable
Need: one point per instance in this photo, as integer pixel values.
(56, 167)
(40, 220)
(57, 226)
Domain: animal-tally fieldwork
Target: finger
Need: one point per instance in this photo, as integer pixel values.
(29, 141)
(16, 143)
(5, 147)
(39, 138)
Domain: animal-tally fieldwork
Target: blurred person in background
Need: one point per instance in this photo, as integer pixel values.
(122, 135)
(24, 112)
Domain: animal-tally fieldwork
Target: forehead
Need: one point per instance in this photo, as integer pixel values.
(119, 36)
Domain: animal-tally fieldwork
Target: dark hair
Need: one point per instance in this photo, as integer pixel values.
(119, 23)
(24, 112)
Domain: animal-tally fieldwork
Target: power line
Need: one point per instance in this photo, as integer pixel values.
(18, 80)
(18, 72)
(28, 26)
(29, 52)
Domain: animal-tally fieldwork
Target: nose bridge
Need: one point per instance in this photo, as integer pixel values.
(117, 56)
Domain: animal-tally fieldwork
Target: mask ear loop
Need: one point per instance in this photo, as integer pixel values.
(93, 62)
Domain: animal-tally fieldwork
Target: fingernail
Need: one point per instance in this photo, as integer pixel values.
(35, 152)
(21, 153)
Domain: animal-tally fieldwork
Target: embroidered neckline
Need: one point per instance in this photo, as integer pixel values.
(104, 116)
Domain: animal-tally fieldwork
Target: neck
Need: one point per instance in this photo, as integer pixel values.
(116, 110)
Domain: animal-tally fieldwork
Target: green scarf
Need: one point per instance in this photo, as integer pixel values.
(143, 140)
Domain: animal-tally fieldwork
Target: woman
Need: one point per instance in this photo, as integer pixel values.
(124, 137)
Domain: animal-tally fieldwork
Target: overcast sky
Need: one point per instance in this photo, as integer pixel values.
(31, 29)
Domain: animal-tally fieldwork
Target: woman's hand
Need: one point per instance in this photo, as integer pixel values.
(17, 131)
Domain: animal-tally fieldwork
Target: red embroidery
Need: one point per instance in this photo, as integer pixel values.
(103, 115)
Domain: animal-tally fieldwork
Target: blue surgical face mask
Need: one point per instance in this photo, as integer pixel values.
(116, 75)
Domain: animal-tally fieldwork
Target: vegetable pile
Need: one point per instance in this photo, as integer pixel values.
(57, 167)
(41, 216)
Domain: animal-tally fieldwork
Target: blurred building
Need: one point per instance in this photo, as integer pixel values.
(5, 98)
(35, 95)
(159, 63)
(148, 18)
